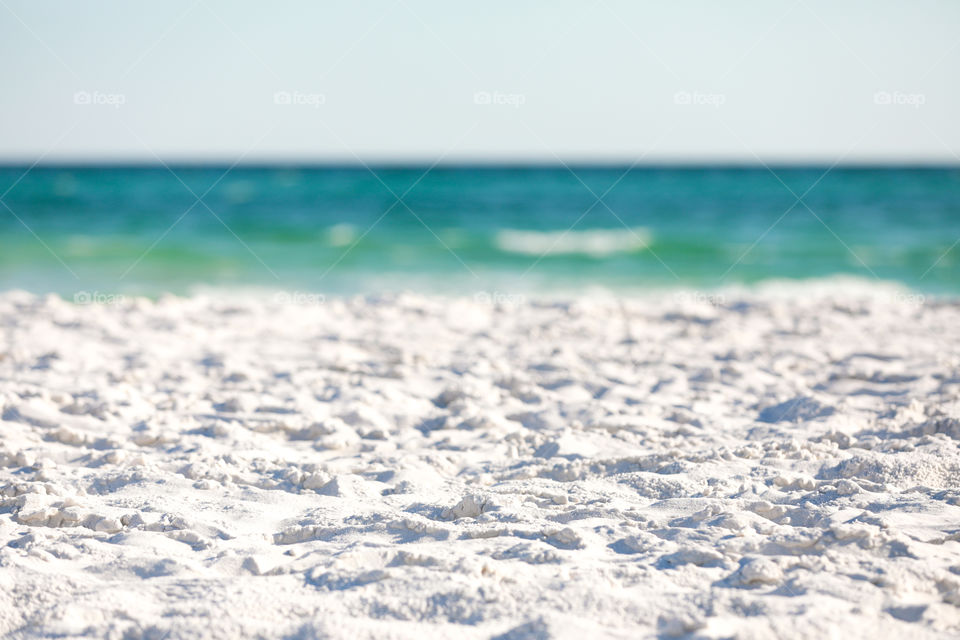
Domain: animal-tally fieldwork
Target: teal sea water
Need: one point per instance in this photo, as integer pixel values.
(459, 230)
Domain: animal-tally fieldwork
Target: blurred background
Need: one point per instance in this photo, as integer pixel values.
(355, 148)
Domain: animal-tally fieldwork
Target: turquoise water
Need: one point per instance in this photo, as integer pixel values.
(462, 230)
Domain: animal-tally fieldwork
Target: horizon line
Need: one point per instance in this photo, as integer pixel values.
(476, 163)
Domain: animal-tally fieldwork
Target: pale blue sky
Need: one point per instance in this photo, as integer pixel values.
(606, 80)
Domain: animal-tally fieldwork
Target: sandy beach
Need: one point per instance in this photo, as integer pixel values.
(422, 320)
(776, 463)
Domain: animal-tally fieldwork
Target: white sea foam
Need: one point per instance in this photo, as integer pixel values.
(341, 235)
(597, 243)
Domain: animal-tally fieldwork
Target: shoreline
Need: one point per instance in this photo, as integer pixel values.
(771, 288)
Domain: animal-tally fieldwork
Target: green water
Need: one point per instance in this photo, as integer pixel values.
(460, 230)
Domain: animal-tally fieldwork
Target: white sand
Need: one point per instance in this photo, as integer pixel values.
(782, 465)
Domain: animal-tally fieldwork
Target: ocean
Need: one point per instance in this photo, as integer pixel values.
(463, 230)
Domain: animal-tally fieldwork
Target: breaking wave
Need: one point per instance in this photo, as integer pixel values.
(596, 243)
